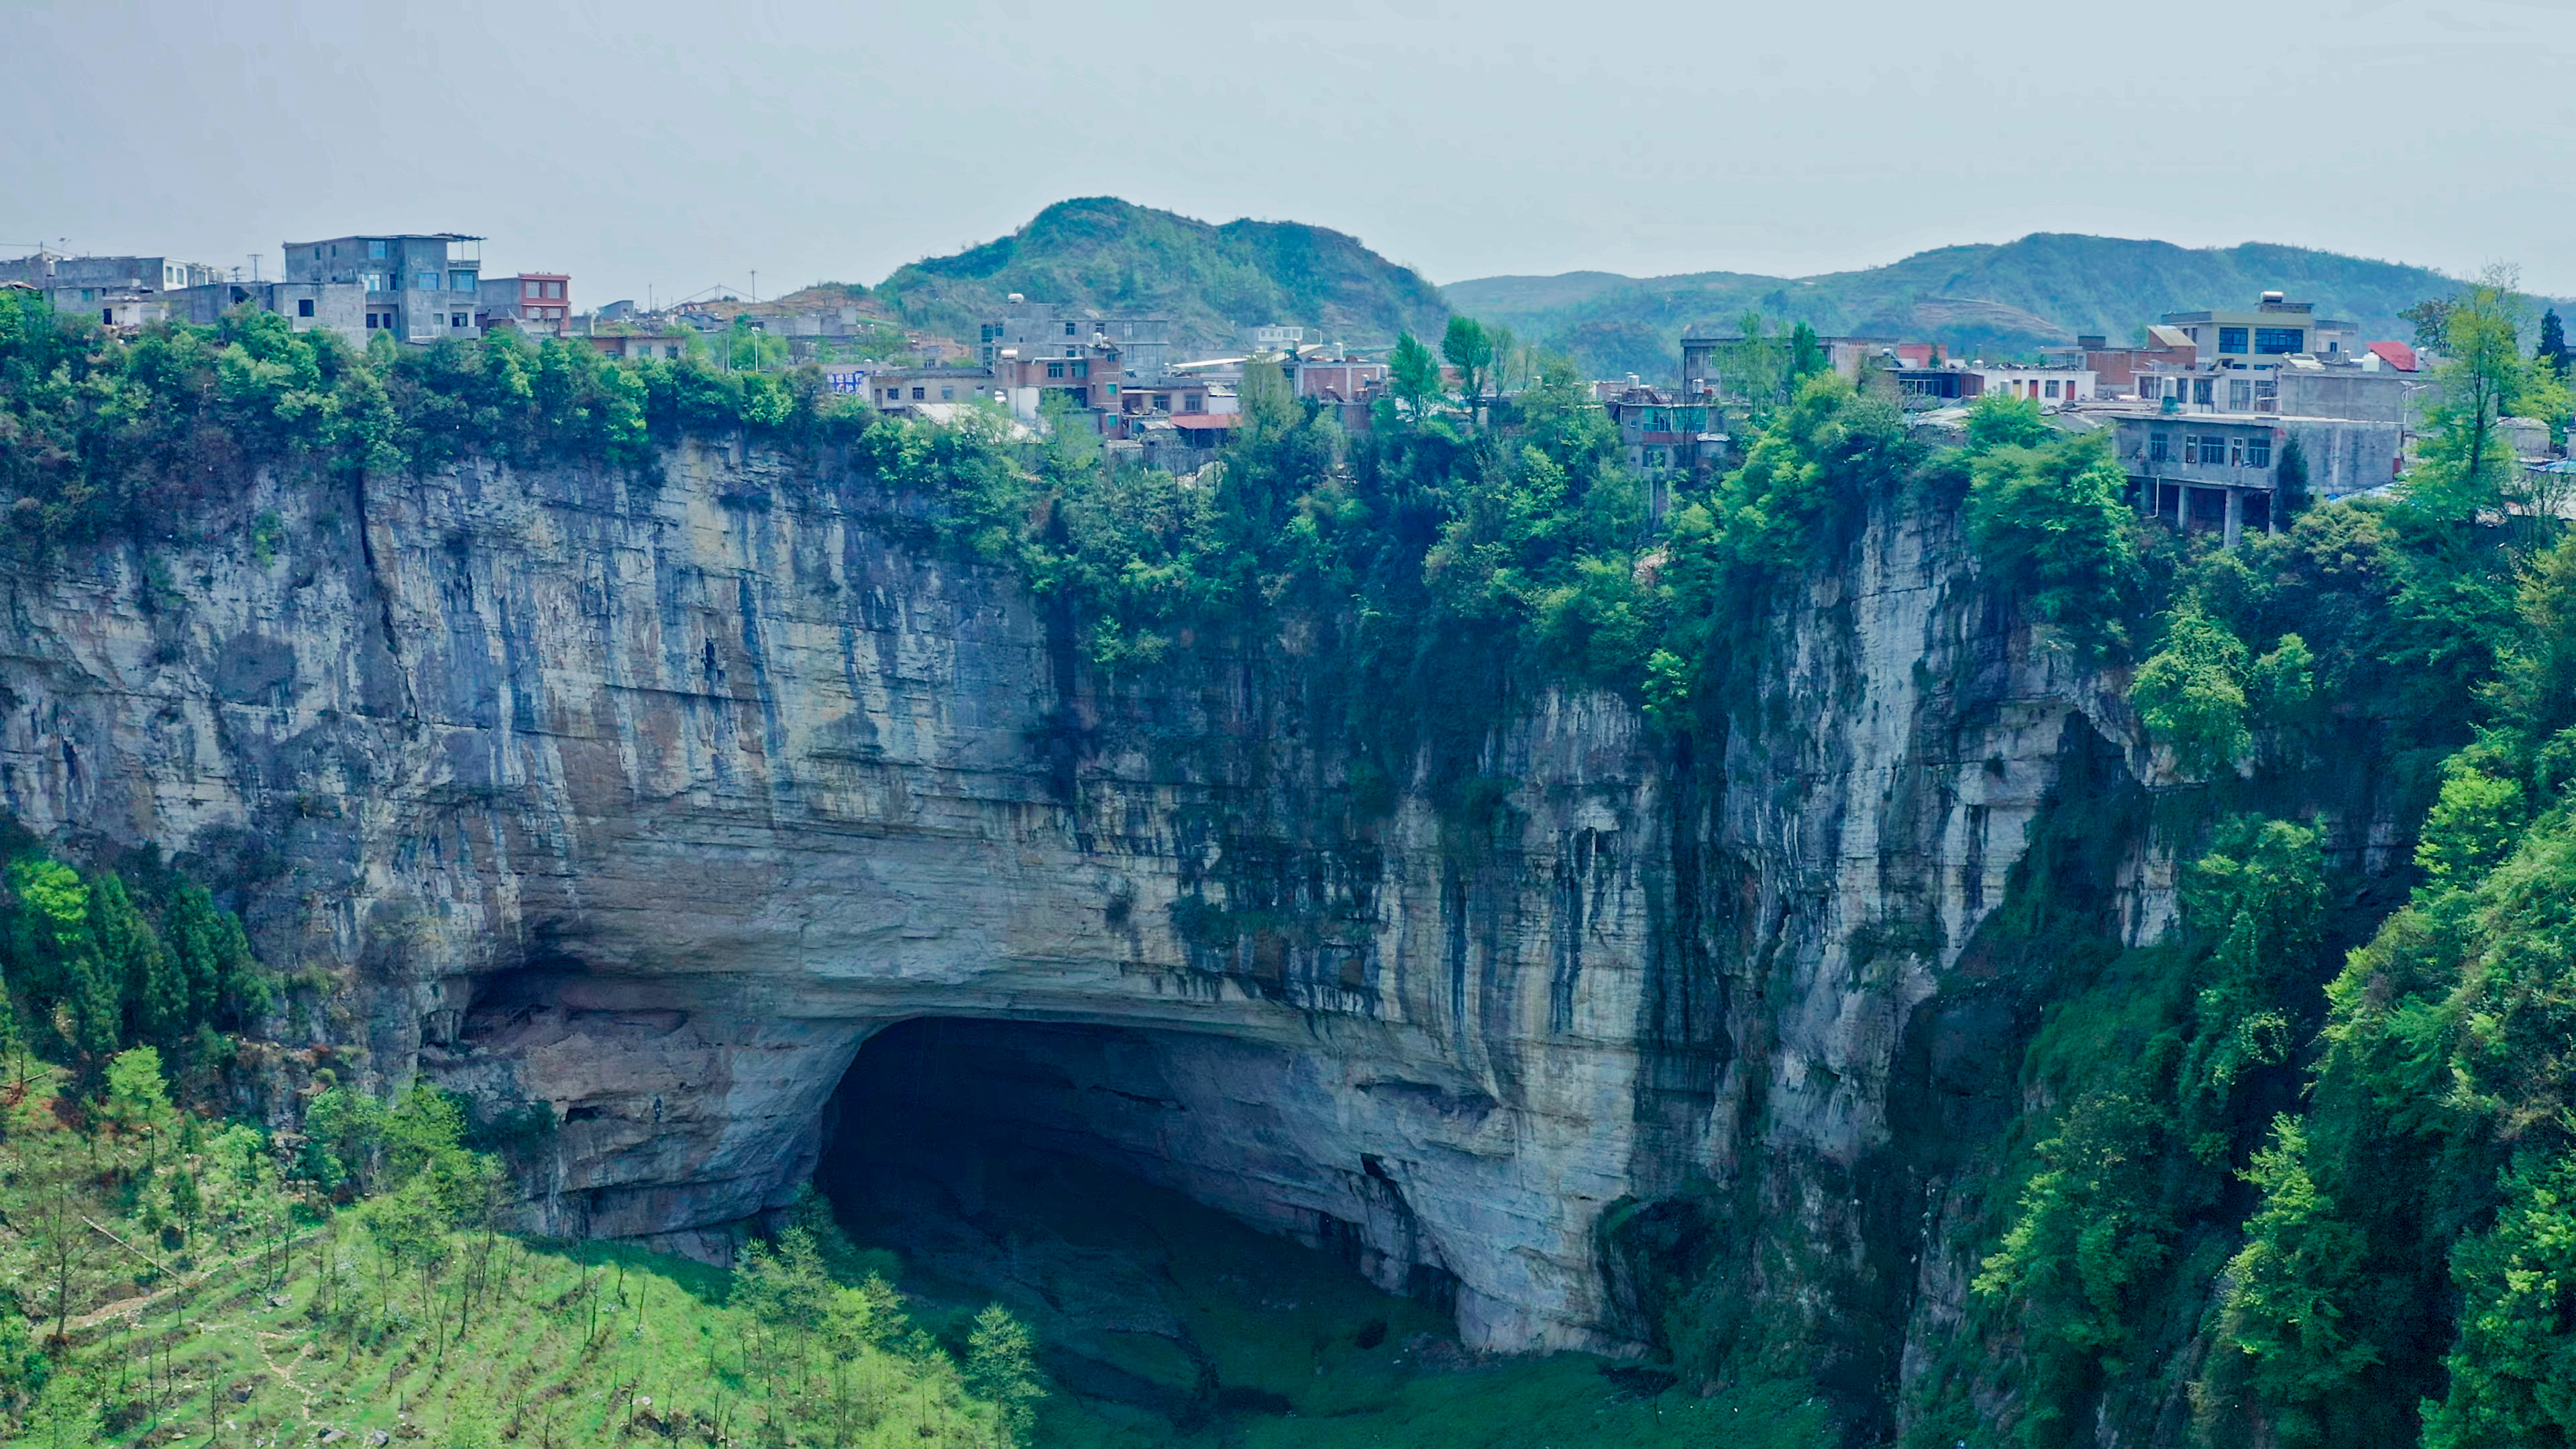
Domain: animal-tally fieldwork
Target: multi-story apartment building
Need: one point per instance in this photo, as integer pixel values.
(419, 286)
(533, 302)
(1037, 330)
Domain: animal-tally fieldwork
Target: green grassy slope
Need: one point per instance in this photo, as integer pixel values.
(2046, 287)
(1114, 255)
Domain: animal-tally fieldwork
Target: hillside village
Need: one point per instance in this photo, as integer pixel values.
(2215, 413)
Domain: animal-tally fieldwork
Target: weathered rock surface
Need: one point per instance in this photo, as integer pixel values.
(652, 803)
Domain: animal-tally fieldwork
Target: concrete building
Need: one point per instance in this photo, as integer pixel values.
(898, 389)
(119, 291)
(537, 303)
(1338, 380)
(2276, 328)
(2225, 472)
(420, 286)
(339, 306)
(1038, 330)
(1664, 433)
(640, 346)
(2116, 369)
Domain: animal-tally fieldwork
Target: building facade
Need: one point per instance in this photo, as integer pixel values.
(337, 306)
(419, 286)
(538, 303)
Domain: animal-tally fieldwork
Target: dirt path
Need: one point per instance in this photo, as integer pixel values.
(142, 1302)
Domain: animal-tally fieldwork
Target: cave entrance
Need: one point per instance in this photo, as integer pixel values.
(1138, 1196)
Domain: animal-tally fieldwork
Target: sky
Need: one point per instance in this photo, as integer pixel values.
(655, 149)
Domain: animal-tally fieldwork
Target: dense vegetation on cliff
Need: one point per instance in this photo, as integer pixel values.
(2311, 1144)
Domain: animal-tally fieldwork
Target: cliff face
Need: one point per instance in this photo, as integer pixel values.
(653, 802)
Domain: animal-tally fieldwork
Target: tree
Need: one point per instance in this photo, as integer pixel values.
(137, 1101)
(1806, 354)
(2191, 694)
(154, 988)
(1470, 351)
(1002, 1369)
(2463, 466)
(2050, 525)
(2513, 1377)
(1413, 375)
(2552, 352)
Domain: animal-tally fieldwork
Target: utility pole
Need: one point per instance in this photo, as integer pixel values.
(755, 284)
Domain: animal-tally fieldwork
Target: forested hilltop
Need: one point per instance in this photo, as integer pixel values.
(1209, 280)
(2301, 1172)
(2003, 300)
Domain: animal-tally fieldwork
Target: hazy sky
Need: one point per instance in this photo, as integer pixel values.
(645, 143)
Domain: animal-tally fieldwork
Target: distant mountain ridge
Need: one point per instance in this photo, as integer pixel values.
(1999, 299)
(1210, 280)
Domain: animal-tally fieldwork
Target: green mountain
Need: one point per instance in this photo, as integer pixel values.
(1209, 280)
(1993, 300)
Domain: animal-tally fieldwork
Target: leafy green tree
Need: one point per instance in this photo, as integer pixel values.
(1806, 354)
(2463, 465)
(1001, 1368)
(2513, 1376)
(2191, 694)
(1469, 350)
(2004, 420)
(2552, 351)
(2048, 522)
(138, 1101)
(53, 955)
(1413, 375)
(2284, 1337)
(154, 989)
(2473, 825)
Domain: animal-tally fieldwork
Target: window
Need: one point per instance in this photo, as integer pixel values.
(947, 394)
(1193, 403)
(554, 289)
(2200, 391)
(2258, 452)
(2231, 339)
(1082, 369)
(1073, 352)
(1162, 402)
(303, 306)
(2240, 395)
(375, 249)
(460, 281)
(1055, 369)
(2213, 450)
(371, 319)
(527, 289)
(919, 393)
(2267, 394)
(2160, 448)
(425, 282)
(1068, 329)
(458, 319)
(2052, 387)
(107, 315)
(2279, 341)
(2236, 451)
(375, 281)
(672, 352)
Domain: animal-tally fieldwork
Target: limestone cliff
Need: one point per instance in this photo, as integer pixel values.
(651, 801)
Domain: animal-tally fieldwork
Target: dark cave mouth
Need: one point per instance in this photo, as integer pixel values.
(967, 1107)
(1074, 1173)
